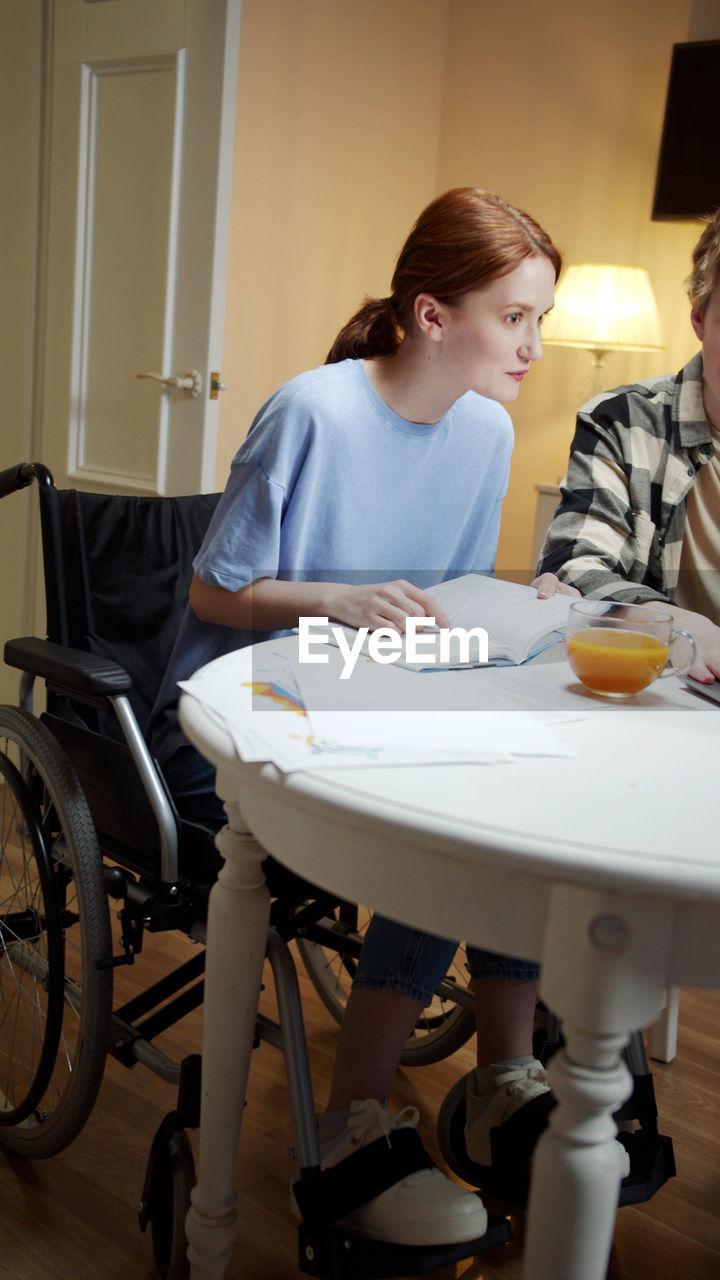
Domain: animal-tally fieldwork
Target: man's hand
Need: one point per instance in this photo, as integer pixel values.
(706, 666)
(549, 585)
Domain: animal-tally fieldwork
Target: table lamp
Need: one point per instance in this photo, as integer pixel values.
(604, 308)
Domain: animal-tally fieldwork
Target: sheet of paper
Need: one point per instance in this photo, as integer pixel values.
(437, 733)
(260, 708)
(377, 687)
(303, 717)
(390, 707)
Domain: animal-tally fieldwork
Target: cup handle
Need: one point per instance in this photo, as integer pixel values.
(671, 669)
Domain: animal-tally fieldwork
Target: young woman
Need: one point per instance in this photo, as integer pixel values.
(395, 452)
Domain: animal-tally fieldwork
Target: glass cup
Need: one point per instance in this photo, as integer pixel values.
(618, 649)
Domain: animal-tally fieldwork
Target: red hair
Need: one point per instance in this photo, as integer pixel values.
(462, 241)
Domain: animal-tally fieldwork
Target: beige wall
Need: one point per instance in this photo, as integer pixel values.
(338, 133)
(560, 107)
(19, 89)
(351, 116)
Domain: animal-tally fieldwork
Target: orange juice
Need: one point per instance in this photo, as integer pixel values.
(608, 660)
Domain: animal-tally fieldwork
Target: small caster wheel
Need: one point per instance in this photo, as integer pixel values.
(508, 1177)
(166, 1200)
(451, 1134)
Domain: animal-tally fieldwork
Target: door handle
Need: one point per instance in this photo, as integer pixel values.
(191, 383)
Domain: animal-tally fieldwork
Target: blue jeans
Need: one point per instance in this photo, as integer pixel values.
(394, 957)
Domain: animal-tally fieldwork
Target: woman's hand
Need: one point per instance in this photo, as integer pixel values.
(550, 585)
(384, 604)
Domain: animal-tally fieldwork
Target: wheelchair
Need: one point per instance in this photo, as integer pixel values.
(86, 819)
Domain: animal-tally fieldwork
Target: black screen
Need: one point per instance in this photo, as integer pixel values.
(688, 177)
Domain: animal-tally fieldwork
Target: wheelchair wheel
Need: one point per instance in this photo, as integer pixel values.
(442, 1028)
(55, 944)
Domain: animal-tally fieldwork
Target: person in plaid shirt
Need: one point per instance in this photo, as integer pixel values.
(639, 518)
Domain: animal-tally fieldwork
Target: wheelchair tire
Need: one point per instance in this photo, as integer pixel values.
(442, 1028)
(55, 983)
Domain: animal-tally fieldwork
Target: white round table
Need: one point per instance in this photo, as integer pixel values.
(604, 866)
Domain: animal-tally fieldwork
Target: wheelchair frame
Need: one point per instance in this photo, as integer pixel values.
(63, 855)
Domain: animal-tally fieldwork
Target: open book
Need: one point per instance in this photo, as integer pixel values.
(518, 624)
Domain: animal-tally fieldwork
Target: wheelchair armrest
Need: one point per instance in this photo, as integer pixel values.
(84, 675)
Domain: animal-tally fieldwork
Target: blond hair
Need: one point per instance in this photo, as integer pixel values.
(705, 275)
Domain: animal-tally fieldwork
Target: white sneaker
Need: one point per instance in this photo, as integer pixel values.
(423, 1208)
(367, 1121)
(514, 1088)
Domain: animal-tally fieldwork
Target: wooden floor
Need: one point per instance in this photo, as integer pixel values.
(75, 1215)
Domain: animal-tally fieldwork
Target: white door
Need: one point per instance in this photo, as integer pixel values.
(137, 176)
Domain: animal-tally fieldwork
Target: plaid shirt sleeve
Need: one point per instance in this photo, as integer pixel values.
(608, 536)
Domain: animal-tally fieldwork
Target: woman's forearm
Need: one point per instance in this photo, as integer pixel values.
(268, 604)
(264, 605)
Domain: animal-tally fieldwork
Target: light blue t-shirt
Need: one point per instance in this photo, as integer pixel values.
(332, 485)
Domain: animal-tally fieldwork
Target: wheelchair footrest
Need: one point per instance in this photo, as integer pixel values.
(652, 1163)
(333, 1254)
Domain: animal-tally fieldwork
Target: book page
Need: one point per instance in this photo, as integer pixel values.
(517, 622)
(463, 598)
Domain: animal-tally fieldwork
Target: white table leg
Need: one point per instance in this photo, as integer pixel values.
(662, 1036)
(604, 972)
(238, 915)
(578, 1166)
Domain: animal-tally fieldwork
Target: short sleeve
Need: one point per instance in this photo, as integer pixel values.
(243, 540)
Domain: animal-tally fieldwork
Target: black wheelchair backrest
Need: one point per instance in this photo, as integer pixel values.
(117, 572)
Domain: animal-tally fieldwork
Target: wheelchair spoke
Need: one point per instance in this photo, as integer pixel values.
(24, 970)
(54, 942)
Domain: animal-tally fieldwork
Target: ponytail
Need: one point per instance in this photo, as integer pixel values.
(372, 331)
